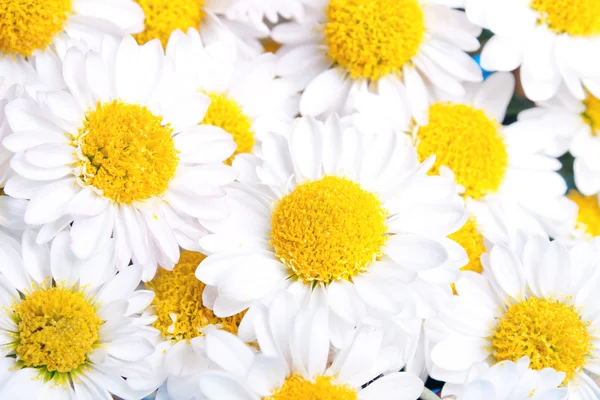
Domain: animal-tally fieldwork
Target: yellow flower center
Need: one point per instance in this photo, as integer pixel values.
(127, 153)
(165, 16)
(178, 302)
(227, 114)
(588, 217)
(592, 113)
(575, 17)
(328, 229)
(468, 142)
(57, 328)
(296, 387)
(29, 25)
(270, 46)
(371, 39)
(471, 240)
(550, 333)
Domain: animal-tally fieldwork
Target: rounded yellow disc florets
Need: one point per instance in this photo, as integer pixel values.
(127, 153)
(165, 16)
(471, 240)
(296, 387)
(468, 142)
(371, 39)
(550, 333)
(592, 113)
(227, 114)
(57, 328)
(328, 229)
(588, 216)
(30, 25)
(575, 17)
(178, 302)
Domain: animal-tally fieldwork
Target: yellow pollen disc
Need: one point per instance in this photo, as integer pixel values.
(549, 332)
(128, 154)
(56, 329)
(270, 46)
(371, 39)
(296, 387)
(468, 142)
(592, 113)
(588, 217)
(165, 16)
(575, 17)
(471, 240)
(227, 114)
(29, 25)
(328, 229)
(178, 302)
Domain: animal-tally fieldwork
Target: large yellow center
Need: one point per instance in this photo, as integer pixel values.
(471, 240)
(296, 387)
(178, 302)
(468, 142)
(29, 25)
(575, 17)
(227, 114)
(57, 329)
(588, 217)
(550, 333)
(165, 16)
(328, 229)
(127, 153)
(371, 39)
(592, 113)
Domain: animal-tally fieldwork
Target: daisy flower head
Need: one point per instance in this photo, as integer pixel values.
(347, 45)
(295, 361)
(356, 226)
(553, 42)
(70, 327)
(508, 380)
(120, 153)
(182, 312)
(247, 100)
(535, 299)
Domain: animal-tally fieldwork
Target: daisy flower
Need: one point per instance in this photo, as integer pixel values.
(120, 154)
(182, 311)
(587, 225)
(31, 28)
(247, 100)
(536, 299)
(69, 327)
(509, 380)
(294, 362)
(389, 45)
(553, 42)
(320, 193)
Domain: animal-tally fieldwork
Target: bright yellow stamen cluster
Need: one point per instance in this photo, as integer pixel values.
(468, 142)
(371, 39)
(129, 155)
(296, 387)
(270, 46)
(592, 112)
(575, 17)
(588, 217)
(328, 229)
(165, 16)
(471, 240)
(227, 114)
(57, 329)
(29, 25)
(178, 302)
(549, 332)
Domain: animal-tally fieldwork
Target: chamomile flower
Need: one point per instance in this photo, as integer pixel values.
(69, 327)
(536, 299)
(353, 225)
(121, 154)
(247, 100)
(587, 225)
(385, 46)
(553, 42)
(509, 380)
(294, 362)
(182, 311)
